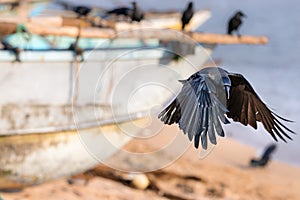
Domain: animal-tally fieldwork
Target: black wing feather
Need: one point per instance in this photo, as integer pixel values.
(197, 110)
(246, 107)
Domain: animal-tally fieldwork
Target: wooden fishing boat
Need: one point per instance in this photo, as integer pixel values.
(60, 116)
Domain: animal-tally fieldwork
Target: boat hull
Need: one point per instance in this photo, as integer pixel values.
(35, 158)
(60, 117)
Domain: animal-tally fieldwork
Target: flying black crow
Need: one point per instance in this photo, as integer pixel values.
(187, 15)
(210, 94)
(263, 161)
(235, 23)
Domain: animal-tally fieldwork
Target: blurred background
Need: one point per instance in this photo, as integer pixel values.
(272, 69)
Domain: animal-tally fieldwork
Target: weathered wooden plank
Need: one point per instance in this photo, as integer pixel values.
(145, 33)
(213, 38)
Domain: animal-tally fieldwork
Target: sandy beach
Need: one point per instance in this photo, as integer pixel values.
(223, 174)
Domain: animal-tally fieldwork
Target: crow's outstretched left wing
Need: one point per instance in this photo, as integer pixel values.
(246, 107)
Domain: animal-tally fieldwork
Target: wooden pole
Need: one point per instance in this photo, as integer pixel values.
(228, 39)
(162, 34)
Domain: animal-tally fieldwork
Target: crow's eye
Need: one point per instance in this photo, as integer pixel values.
(226, 81)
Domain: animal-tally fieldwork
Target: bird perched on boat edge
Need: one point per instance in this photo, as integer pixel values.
(235, 22)
(82, 10)
(187, 15)
(211, 95)
(120, 11)
(137, 13)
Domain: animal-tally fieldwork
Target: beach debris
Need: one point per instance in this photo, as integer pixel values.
(211, 94)
(177, 186)
(235, 22)
(265, 158)
(140, 181)
(215, 191)
(187, 15)
(137, 180)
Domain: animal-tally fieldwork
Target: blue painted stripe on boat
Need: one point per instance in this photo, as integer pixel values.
(89, 55)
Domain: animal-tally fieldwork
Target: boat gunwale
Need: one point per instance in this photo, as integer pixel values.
(86, 52)
(75, 126)
(89, 49)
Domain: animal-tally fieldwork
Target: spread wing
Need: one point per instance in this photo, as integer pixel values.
(197, 110)
(246, 107)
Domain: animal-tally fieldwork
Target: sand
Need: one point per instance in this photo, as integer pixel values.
(223, 174)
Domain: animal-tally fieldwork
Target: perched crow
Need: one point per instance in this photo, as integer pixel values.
(82, 10)
(263, 161)
(120, 11)
(187, 15)
(137, 14)
(235, 22)
(210, 94)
